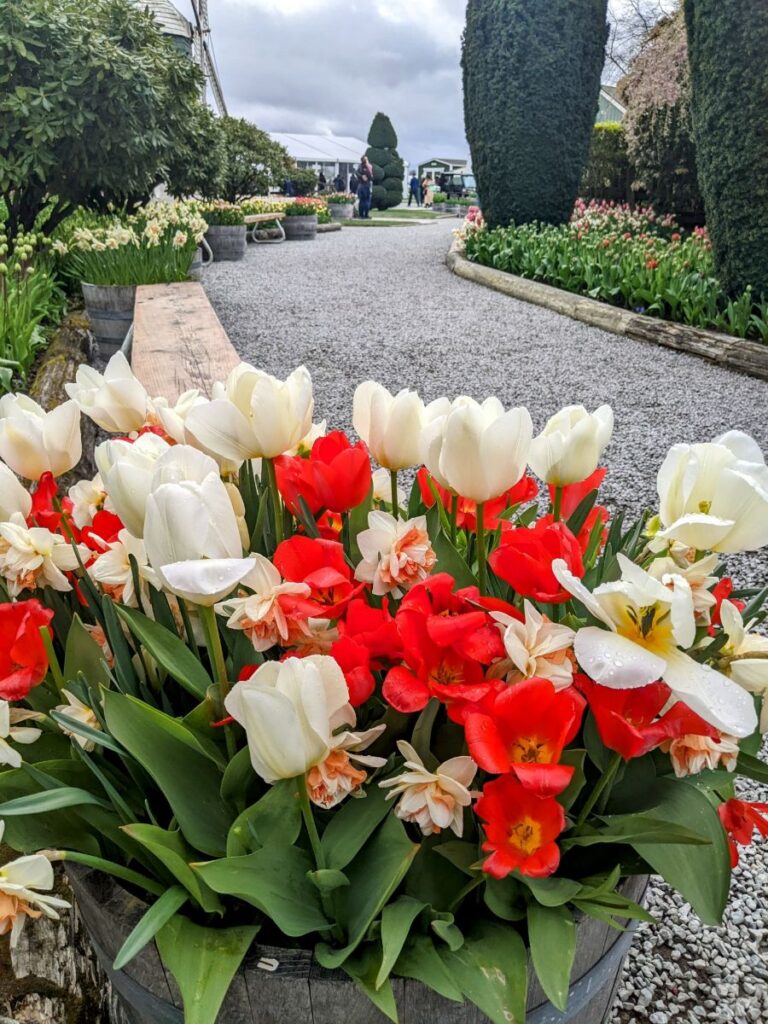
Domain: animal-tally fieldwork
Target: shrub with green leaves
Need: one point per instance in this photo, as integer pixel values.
(607, 174)
(388, 168)
(253, 162)
(531, 88)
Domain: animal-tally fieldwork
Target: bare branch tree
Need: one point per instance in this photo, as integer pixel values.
(630, 23)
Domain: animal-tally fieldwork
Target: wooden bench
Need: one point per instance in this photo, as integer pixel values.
(178, 341)
(252, 221)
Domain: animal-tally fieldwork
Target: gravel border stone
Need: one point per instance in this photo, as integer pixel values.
(383, 304)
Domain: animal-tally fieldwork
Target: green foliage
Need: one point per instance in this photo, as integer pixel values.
(657, 94)
(252, 161)
(602, 255)
(607, 173)
(304, 180)
(197, 164)
(730, 120)
(552, 936)
(388, 168)
(531, 88)
(93, 101)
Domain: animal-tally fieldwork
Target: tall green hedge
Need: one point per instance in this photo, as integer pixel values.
(607, 174)
(388, 168)
(531, 87)
(727, 46)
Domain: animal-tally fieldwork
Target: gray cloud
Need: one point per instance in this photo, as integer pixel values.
(332, 68)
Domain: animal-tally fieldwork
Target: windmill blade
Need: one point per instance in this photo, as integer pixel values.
(213, 77)
(205, 53)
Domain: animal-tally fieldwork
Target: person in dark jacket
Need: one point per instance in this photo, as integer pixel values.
(338, 182)
(414, 189)
(288, 188)
(364, 188)
(322, 181)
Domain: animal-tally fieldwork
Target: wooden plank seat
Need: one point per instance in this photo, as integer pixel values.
(178, 341)
(253, 220)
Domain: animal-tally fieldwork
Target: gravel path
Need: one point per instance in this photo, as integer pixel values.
(380, 303)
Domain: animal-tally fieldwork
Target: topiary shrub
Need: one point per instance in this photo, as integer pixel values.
(727, 47)
(657, 95)
(388, 168)
(531, 88)
(607, 174)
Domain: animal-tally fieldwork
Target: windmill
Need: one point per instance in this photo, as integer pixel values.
(203, 52)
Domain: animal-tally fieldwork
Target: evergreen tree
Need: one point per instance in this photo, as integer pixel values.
(388, 168)
(727, 43)
(531, 88)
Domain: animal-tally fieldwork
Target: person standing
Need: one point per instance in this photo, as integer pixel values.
(321, 182)
(364, 187)
(414, 190)
(338, 182)
(427, 194)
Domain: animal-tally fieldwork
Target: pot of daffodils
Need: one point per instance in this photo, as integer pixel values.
(312, 748)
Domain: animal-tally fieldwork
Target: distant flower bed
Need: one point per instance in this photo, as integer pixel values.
(152, 246)
(219, 213)
(627, 257)
(340, 199)
(305, 206)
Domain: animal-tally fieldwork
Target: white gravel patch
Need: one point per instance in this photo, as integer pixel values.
(379, 303)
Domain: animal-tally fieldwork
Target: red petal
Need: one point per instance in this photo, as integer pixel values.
(544, 779)
(485, 744)
(404, 691)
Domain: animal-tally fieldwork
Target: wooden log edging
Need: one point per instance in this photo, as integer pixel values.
(749, 357)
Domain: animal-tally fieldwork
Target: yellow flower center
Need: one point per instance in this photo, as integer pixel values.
(529, 750)
(526, 836)
(650, 626)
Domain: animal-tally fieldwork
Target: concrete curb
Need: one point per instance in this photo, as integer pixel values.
(746, 356)
(323, 229)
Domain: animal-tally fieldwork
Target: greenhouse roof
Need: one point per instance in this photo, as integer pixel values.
(322, 148)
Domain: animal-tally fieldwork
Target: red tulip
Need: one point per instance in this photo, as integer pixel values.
(354, 660)
(296, 479)
(524, 560)
(520, 829)
(740, 818)
(342, 471)
(525, 734)
(320, 564)
(524, 490)
(23, 661)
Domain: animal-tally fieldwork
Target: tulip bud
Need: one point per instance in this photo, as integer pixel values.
(391, 425)
(569, 447)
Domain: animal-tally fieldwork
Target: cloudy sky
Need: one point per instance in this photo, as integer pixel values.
(329, 65)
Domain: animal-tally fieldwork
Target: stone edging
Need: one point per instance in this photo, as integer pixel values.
(747, 356)
(323, 229)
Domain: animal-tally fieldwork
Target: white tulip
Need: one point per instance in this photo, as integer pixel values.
(569, 447)
(33, 442)
(391, 425)
(746, 656)
(478, 450)
(13, 496)
(173, 418)
(115, 400)
(192, 537)
(714, 497)
(88, 497)
(20, 881)
(254, 415)
(126, 470)
(290, 711)
(646, 622)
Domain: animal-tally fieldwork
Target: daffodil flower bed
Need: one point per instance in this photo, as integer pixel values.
(251, 678)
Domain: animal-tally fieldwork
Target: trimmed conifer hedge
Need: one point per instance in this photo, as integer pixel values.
(727, 46)
(531, 88)
(388, 168)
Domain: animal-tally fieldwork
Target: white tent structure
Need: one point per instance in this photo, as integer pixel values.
(331, 154)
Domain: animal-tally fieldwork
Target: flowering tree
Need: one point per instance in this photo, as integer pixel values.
(531, 88)
(659, 132)
(730, 120)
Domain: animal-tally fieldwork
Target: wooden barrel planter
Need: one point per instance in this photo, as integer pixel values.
(227, 241)
(200, 258)
(110, 312)
(299, 991)
(341, 211)
(301, 229)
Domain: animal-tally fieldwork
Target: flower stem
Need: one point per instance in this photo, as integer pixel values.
(481, 552)
(219, 664)
(556, 505)
(53, 661)
(454, 516)
(314, 841)
(602, 789)
(468, 888)
(276, 503)
(393, 484)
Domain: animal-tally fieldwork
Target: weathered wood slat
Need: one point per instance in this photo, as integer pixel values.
(178, 341)
(263, 218)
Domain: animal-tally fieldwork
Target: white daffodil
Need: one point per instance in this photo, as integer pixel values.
(34, 442)
(382, 488)
(699, 575)
(646, 622)
(714, 497)
(78, 712)
(432, 800)
(536, 647)
(14, 497)
(11, 730)
(88, 497)
(477, 450)
(112, 569)
(569, 447)
(396, 553)
(254, 415)
(20, 898)
(260, 614)
(337, 777)
(35, 557)
(115, 400)
(745, 656)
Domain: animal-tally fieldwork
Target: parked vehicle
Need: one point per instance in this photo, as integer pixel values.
(460, 186)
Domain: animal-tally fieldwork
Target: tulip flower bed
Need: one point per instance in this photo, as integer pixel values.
(629, 258)
(274, 696)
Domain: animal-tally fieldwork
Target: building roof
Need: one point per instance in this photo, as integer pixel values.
(458, 161)
(321, 148)
(611, 93)
(172, 22)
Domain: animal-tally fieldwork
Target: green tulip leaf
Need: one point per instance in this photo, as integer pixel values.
(552, 938)
(171, 653)
(161, 911)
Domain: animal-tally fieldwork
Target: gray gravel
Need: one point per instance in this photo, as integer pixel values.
(379, 303)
